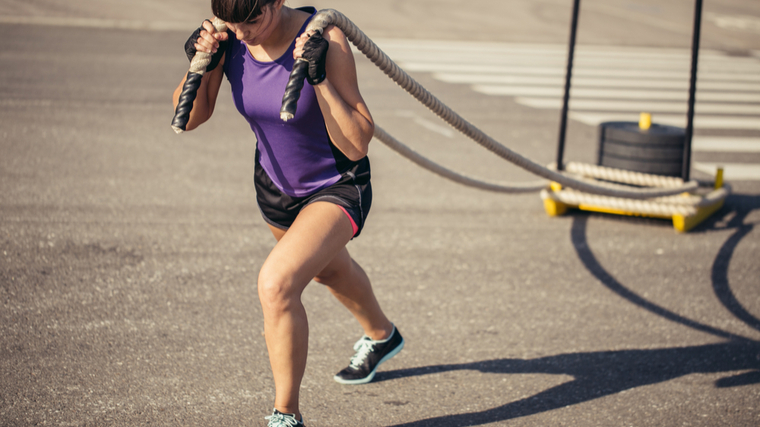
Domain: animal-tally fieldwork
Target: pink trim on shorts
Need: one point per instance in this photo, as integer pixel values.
(353, 224)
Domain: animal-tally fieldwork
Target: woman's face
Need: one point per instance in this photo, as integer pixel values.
(257, 30)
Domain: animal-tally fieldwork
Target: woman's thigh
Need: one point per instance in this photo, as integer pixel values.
(316, 240)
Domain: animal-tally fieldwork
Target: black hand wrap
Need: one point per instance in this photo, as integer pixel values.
(190, 49)
(315, 52)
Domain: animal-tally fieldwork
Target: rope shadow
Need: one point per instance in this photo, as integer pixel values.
(719, 274)
(737, 207)
(587, 257)
(596, 375)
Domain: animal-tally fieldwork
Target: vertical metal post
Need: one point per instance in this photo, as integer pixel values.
(568, 77)
(692, 90)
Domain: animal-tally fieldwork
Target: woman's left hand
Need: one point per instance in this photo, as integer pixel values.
(312, 47)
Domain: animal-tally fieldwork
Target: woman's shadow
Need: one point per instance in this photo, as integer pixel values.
(596, 375)
(599, 374)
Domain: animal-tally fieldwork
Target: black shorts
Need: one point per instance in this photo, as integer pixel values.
(352, 192)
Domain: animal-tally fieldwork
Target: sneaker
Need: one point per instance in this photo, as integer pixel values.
(278, 419)
(369, 355)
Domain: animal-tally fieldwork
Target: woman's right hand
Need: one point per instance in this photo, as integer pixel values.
(207, 39)
(204, 39)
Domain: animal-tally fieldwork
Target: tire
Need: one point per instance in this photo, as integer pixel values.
(658, 150)
(644, 151)
(629, 132)
(644, 166)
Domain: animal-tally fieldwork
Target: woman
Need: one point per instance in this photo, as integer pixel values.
(311, 176)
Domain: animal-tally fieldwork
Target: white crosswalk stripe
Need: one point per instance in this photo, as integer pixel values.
(610, 93)
(735, 171)
(580, 81)
(727, 144)
(610, 83)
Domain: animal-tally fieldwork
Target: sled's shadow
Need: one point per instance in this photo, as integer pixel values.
(599, 374)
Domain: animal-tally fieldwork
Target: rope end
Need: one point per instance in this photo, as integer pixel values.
(177, 130)
(285, 116)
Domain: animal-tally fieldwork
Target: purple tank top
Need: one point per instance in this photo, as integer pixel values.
(297, 155)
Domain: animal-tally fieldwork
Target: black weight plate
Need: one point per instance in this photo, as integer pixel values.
(663, 153)
(631, 133)
(651, 167)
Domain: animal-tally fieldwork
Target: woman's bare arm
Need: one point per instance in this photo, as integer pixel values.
(349, 122)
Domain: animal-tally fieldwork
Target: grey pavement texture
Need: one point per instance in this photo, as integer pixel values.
(129, 255)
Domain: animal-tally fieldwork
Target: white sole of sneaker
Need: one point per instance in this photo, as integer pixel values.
(371, 375)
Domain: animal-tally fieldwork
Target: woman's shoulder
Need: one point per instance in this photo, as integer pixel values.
(333, 32)
(335, 36)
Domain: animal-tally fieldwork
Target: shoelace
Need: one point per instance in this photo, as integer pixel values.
(281, 420)
(363, 347)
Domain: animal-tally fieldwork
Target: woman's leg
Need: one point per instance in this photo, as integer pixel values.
(348, 282)
(350, 285)
(318, 235)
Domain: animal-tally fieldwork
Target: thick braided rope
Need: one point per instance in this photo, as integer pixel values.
(431, 166)
(572, 197)
(623, 176)
(199, 63)
(201, 59)
(293, 89)
(378, 57)
(616, 176)
(193, 81)
(664, 206)
(582, 169)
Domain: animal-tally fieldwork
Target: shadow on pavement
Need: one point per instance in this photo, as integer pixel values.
(599, 374)
(740, 206)
(596, 375)
(737, 208)
(586, 256)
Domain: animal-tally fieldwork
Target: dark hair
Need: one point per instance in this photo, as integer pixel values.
(237, 11)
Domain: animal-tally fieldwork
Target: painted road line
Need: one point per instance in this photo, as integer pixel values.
(638, 106)
(541, 65)
(454, 48)
(731, 171)
(700, 122)
(724, 66)
(486, 48)
(730, 64)
(472, 49)
(454, 55)
(559, 71)
(446, 131)
(63, 21)
(468, 78)
(726, 144)
(661, 95)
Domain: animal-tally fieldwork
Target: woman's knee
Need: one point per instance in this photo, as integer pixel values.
(277, 292)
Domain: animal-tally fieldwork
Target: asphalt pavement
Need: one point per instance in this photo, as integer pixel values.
(129, 254)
